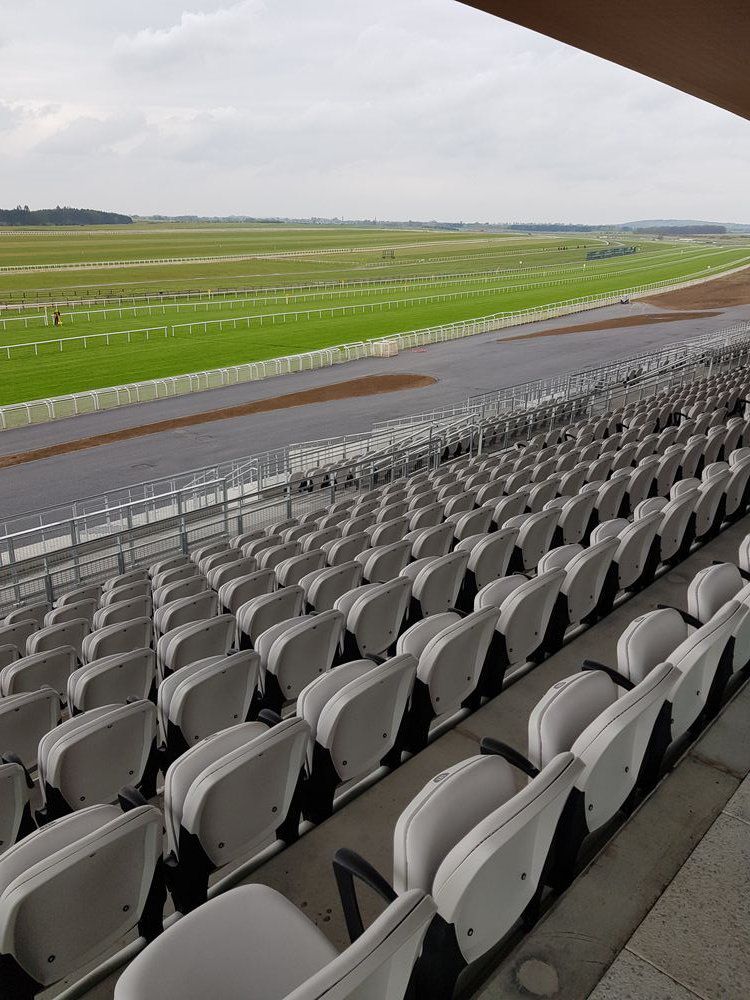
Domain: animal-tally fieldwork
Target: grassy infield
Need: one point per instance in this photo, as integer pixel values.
(51, 372)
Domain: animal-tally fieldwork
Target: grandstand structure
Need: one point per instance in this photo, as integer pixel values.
(455, 707)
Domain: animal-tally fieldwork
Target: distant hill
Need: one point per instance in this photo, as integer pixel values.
(654, 224)
(23, 216)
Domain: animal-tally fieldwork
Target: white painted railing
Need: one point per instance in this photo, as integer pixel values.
(94, 400)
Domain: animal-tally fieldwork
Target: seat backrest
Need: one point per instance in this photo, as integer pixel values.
(65, 613)
(375, 618)
(195, 641)
(558, 558)
(633, 549)
(614, 744)
(51, 636)
(609, 497)
(14, 803)
(122, 611)
(525, 614)
(489, 555)
(176, 574)
(167, 592)
(298, 650)
(208, 695)
(565, 711)
(112, 679)
(135, 588)
(697, 659)
(449, 806)
(262, 612)
(585, 574)
(343, 550)
(712, 587)
(535, 535)
(125, 579)
(707, 504)
(359, 723)
(486, 881)
(575, 515)
(433, 541)
(675, 517)
(510, 506)
(325, 586)
(89, 758)
(32, 612)
(24, 719)
(231, 571)
(384, 562)
(51, 668)
(436, 586)
(290, 571)
(118, 638)
(74, 888)
(271, 557)
(188, 609)
(239, 591)
(234, 788)
(451, 663)
(81, 593)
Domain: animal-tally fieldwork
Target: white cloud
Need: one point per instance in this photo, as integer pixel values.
(418, 109)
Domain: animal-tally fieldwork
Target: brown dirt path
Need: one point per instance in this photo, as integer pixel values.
(732, 290)
(370, 385)
(611, 324)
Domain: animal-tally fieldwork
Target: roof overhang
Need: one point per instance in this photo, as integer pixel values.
(699, 46)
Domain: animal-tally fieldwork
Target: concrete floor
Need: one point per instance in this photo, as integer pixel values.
(474, 365)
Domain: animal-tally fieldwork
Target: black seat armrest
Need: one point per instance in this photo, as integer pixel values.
(497, 748)
(348, 865)
(269, 718)
(614, 675)
(13, 758)
(130, 798)
(687, 618)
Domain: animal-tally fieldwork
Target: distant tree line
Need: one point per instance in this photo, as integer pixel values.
(704, 230)
(552, 227)
(22, 215)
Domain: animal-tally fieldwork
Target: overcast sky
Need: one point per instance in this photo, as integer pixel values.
(399, 109)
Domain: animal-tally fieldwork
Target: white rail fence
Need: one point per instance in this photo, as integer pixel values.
(95, 400)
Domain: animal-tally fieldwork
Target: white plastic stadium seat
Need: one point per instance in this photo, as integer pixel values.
(24, 719)
(51, 668)
(112, 680)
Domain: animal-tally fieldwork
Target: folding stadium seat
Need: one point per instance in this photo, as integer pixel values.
(65, 613)
(435, 583)
(279, 527)
(526, 608)
(698, 656)
(737, 489)
(237, 592)
(24, 719)
(51, 668)
(316, 539)
(535, 533)
(262, 612)
(15, 808)
(9, 654)
(541, 493)
(473, 522)
(710, 506)
(676, 530)
(112, 680)
(384, 562)
(576, 515)
(343, 550)
(259, 545)
(418, 501)
(388, 532)
(295, 652)
(714, 445)
(630, 565)
(296, 533)
(489, 556)
(231, 569)
(203, 698)
(570, 483)
(209, 549)
(187, 609)
(692, 457)
(87, 759)
(451, 652)
(640, 484)
(392, 510)
(374, 615)
(323, 587)
(580, 592)
(194, 641)
(287, 953)
(355, 714)
(125, 579)
(271, 557)
(75, 888)
(645, 448)
(18, 634)
(667, 470)
(292, 570)
(28, 613)
(170, 562)
(617, 729)
(71, 633)
(623, 458)
(435, 541)
(685, 431)
(122, 611)
(228, 797)
(126, 592)
(480, 846)
(174, 575)
(518, 481)
(120, 638)
(598, 470)
(492, 491)
(426, 517)
(81, 593)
